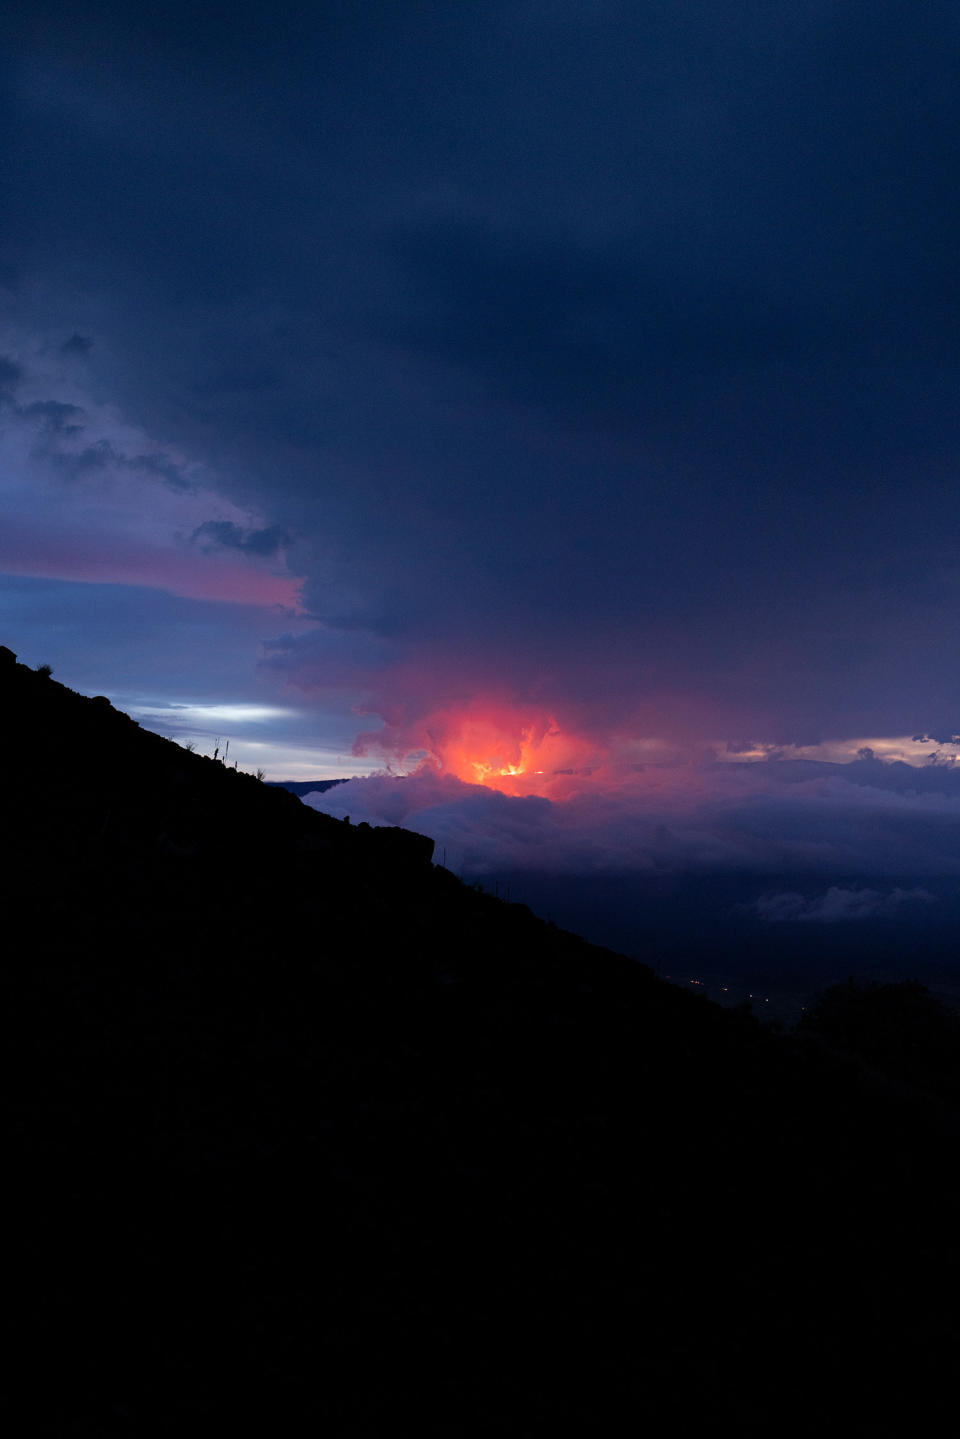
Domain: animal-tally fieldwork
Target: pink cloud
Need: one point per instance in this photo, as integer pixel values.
(113, 559)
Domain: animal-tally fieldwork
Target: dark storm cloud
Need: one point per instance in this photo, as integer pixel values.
(160, 467)
(225, 534)
(10, 376)
(103, 455)
(77, 464)
(54, 415)
(605, 352)
(78, 345)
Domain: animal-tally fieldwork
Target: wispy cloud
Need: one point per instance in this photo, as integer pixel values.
(90, 497)
(837, 905)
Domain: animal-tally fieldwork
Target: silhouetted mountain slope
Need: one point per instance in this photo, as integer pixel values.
(421, 1164)
(304, 786)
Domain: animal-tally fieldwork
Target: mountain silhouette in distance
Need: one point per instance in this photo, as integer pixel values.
(302, 787)
(304, 1130)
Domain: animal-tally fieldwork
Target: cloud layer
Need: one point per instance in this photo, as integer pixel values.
(817, 819)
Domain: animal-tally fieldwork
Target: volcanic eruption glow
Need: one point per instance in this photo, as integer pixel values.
(501, 746)
(498, 749)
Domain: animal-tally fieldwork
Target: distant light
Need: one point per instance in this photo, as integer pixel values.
(237, 714)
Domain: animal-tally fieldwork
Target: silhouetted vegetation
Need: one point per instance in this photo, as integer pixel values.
(900, 1030)
(306, 1133)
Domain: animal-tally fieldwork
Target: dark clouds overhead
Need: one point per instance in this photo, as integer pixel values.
(232, 537)
(601, 354)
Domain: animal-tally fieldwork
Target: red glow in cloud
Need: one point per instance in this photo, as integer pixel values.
(498, 745)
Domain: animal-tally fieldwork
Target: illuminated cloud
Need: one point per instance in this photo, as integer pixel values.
(860, 818)
(499, 745)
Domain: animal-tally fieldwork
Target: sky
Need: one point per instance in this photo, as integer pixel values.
(556, 394)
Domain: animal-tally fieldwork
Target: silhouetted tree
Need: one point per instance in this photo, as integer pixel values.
(900, 1029)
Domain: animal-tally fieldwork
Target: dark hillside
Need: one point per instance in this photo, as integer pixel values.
(424, 1163)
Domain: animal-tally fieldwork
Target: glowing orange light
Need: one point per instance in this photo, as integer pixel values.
(519, 752)
(482, 772)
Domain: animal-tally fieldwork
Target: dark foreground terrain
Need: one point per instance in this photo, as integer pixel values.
(410, 1160)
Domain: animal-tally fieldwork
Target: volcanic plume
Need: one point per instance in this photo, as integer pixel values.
(501, 745)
